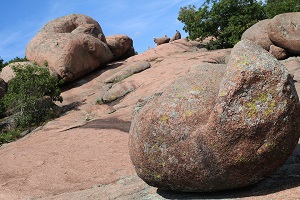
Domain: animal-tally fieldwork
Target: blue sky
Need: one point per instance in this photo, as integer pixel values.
(141, 20)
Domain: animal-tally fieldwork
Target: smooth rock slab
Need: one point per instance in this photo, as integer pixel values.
(218, 128)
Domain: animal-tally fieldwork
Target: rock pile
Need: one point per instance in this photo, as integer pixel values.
(280, 35)
(166, 39)
(74, 45)
(218, 128)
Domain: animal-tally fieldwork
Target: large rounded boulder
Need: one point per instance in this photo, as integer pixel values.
(218, 127)
(258, 33)
(284, 31)
(121, 46)
(72, 46)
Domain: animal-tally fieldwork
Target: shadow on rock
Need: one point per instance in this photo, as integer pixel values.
(110, 123)
(92, 75)
(286, 177)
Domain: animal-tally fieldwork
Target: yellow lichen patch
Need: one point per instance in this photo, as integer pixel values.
(251, 106)
(178, 96)
(270, 108)
(189, 113)
(164, 118)
(263, 103)
(197, 88)
(223, 93)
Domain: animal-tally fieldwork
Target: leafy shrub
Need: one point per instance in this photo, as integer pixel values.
(275, 7)
(1, 63)
(9, 136)
(225, 20)
(31, 95)
(16, 59)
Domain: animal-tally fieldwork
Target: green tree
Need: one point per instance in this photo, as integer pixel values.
(31, 95)
(1, 64)
(16, 59)
(225, 20)
(275, 7)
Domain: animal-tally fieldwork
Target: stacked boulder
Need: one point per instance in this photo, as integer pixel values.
(166, 39)
(72, 46)
(218, 127)
(280, 35)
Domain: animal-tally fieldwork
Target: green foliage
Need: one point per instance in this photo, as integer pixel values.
(9, 136)
(16, 59)
(30, 95)
(1, 63)
(225, 20)
(275, 7)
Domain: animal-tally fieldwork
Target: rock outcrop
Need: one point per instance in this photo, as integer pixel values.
(177, 36)
(72, 46)
(278, 52)
(218, 128)
(121, 46)
(161, 40)
(258, 33)
(128, 71)
(280, 35)
(284, 31)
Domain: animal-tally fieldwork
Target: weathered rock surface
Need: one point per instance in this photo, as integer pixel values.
(117, 91)
(127, 71)
(258, 33)
(219, 128)
(121, 46)
(71, 22)
(278, 52)
(284, 31)
(84, 153)
(177, 36)
(161, 40)
(72, 46)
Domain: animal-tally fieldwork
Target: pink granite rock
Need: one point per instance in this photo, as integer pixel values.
(278, 52)
(218, 128)
(177, 36)
(284, 31)
(72, 46)
(121, 46)
(161, 40)
(258, 33)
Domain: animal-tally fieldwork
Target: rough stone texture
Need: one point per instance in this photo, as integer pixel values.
(121, 46)
(127, 71)
(84, 153)
(69, 23)
(284, 31)
(161, 40)
(72, 46)
(117, 91)
(200, 135)
(177, 36)
(278, 52)
(258, 33)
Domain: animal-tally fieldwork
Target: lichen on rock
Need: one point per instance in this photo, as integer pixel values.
(218, 127)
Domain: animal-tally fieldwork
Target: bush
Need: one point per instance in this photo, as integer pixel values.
(225, 20)
(275, 7)
(31, 95)
(16, 59)
(9, 136)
